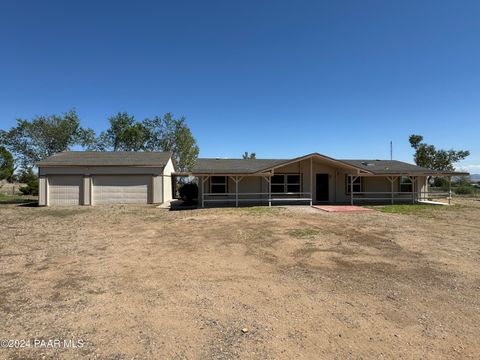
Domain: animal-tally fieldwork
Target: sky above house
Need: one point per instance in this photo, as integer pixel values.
(278, 78)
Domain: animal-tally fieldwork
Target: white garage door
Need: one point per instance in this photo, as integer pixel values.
(121, 189)
(64, 190)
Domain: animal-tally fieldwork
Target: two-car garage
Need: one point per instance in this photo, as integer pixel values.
(66, 190)
(98, 178)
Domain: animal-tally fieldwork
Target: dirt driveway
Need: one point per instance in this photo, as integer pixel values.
(125, 282)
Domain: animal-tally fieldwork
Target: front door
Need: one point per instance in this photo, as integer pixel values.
(322, 187)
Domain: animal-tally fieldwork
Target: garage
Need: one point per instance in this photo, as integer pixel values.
(121, 189)
(65, 190)
(105, 177)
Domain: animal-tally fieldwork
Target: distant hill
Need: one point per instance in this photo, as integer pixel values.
(475, 177)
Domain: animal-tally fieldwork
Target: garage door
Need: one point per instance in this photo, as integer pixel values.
(64, 190)
(121, 189)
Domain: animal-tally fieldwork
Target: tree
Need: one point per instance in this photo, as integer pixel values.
(169, 134)
(31, 141)
(429, 157)
(7, 164)
(246, 155)
(124, 134)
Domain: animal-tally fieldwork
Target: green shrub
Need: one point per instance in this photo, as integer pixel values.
(188, 192)
(31, 188)
(464, 190)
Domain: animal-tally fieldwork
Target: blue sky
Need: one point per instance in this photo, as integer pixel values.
(279, 78)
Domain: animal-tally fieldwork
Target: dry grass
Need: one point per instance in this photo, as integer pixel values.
(139, 282)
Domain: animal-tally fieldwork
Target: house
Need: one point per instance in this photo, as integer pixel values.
(313, 178)
(91, 178)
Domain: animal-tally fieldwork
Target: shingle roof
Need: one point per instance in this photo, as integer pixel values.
(388, 167)
(102, 158)
(233, 166)
(250, 166)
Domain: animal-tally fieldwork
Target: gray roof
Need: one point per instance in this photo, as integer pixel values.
(233, 166)
(104, 158)
(388, 167)
(251, 166)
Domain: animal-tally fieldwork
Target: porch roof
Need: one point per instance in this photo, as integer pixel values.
(394, 167)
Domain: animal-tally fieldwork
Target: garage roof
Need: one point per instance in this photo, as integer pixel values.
(107, 158)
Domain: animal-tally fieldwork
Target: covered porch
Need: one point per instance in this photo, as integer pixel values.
(396, 189)
(308, 180)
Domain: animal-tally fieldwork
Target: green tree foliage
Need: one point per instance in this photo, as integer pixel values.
(43, 136)
(247, 155)
(7, 164)
(28, 177)
(429, 157)
(124, 134)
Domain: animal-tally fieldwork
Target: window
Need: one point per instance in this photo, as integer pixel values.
(282, 183)
(293, 183)
(218, 184)
(405, 184)
(278, 183)
(357, 184)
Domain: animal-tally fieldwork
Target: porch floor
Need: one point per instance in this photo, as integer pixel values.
(342, 208)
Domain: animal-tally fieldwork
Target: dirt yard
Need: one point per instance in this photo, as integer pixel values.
(133, 282)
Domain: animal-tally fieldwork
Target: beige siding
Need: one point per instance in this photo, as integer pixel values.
(157, 189)
(42, 191)
(86, 190)
(167, 181)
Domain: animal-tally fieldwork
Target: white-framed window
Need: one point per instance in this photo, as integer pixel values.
(357, 184)
(406, 184)
(218, 184)
(282, 183)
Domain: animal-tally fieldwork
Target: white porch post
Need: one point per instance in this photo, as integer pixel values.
(204, 179)
(412, 180)
(392, 182)
(351, 189)
(311, 181)
(270, 190)
(449, 190)
(236, 179)
(236, 191)
(391, 187)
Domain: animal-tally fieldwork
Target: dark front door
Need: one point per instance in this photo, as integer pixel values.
(322, 187)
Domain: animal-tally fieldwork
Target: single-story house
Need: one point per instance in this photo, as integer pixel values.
(91, 178)
(313, 179)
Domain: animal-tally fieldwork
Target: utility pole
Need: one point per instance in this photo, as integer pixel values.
(391, 150)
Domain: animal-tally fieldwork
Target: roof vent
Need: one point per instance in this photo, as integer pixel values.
(365, 163)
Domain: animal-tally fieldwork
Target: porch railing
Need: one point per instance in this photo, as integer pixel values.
(397, 196)
(262, 197)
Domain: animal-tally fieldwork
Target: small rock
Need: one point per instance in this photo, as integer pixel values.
(244, 330)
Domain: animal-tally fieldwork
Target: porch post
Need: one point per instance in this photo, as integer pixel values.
(236, 179)
(413, 180)
(311, 181)
(351, 189)
(391, 188)
(449, 190)
(204, 179)
(203, 192)
(270, 190)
